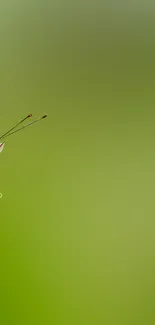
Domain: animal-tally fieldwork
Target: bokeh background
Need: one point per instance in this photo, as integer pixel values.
(77, 217)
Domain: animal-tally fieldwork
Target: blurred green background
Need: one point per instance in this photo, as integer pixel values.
(77, 225)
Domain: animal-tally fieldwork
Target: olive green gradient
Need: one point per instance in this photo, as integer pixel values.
(77, 225)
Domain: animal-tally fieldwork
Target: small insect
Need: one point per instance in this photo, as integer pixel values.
(12, 130)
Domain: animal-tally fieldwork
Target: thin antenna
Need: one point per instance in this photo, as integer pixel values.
(24, 119)
(22, 128)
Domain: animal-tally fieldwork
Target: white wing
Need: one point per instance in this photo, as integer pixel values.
(1, 147)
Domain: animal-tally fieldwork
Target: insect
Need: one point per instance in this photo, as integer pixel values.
(12, 130)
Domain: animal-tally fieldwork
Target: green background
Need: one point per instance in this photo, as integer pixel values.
(77, 229)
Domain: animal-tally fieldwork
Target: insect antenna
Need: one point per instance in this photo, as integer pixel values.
(14, 127)
(7, 134)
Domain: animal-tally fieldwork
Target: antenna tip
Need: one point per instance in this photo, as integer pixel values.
(44, 116)
(30, 115)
